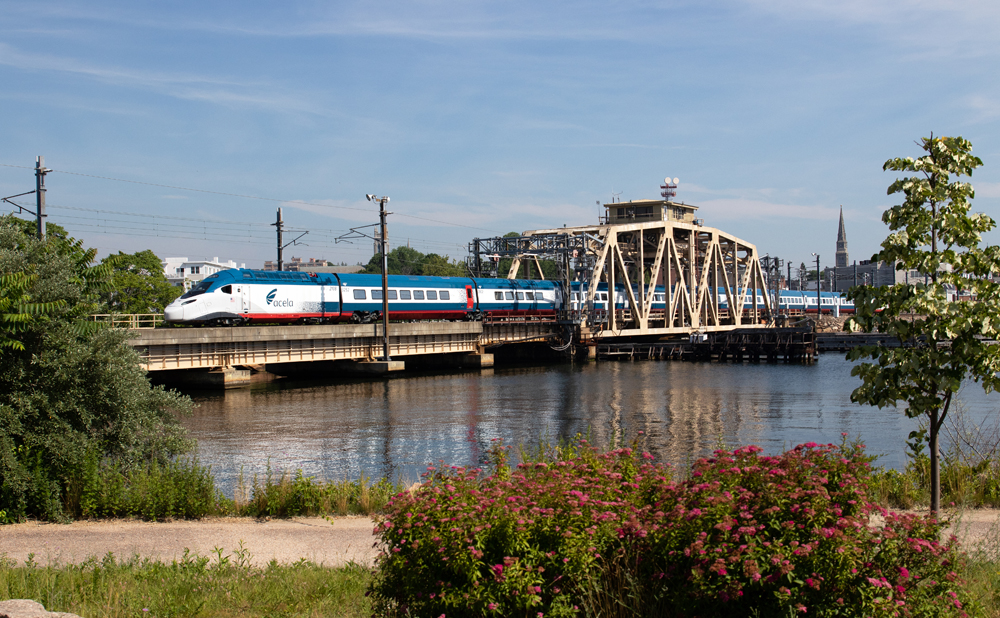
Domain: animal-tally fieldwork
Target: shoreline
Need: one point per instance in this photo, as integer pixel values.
(331, 542)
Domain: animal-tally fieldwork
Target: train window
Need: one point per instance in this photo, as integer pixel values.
(432, 295)
(376, 294)
(227, 289)
(576, 296)
(197, 290)
(392, 294)
(418, 294)
(529, 295)
(539, 296)
(497, 295)
(404, 295)
(247, 276)
(604, 296)
(359, 295)
(445, 295)
(520, 296)
(509, 295)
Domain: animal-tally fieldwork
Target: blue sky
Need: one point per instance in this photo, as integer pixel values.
(478, 118)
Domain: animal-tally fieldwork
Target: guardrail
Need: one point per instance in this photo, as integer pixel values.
(133, 321)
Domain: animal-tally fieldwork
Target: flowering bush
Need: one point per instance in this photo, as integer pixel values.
(615, 534)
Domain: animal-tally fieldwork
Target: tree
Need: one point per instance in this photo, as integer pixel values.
(71, 390)
(16, 309)
(933, 233)
(408, 261)
(138, 284)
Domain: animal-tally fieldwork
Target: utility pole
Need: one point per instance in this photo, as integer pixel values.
(40, 171)
(385, 273)
(819, 306)
(279, 224)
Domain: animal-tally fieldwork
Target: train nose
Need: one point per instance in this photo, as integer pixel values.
(173, 313)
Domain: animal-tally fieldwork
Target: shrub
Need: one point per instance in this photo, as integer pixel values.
(180, 488)
(614, 534)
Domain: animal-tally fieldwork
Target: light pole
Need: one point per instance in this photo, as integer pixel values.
(385, 273)
(819, 307)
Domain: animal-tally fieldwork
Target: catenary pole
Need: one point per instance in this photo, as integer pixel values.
(279, 224)
(40, 171)
(385, 281)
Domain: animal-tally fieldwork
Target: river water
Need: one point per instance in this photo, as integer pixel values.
(396, 427)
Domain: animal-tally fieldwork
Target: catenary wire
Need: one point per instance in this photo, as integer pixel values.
(253, 197)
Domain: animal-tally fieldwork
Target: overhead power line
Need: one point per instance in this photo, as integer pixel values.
(255, 197)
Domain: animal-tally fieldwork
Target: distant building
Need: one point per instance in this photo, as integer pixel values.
(867, 272)
(842, 260)
(183, 272)
(312, 266)
(295, 264)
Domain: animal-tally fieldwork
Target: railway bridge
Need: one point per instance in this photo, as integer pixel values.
(680, 281)
(227, 353)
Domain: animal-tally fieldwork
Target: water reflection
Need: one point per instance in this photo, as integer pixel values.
(396, 427)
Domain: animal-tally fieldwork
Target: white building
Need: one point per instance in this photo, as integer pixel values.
(183, 272)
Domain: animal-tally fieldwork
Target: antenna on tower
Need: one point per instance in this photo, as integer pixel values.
(669, 188)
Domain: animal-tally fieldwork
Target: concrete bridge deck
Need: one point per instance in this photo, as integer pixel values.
(165, 349)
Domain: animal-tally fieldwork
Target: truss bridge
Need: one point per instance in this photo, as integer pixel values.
(648, 268)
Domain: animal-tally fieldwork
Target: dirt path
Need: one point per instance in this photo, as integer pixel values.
(284, 540)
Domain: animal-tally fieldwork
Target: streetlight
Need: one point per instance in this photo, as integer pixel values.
(385, 273)
(819, 308)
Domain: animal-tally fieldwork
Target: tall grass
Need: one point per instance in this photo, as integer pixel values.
(285, 495)
(185, 489)
(194, 586)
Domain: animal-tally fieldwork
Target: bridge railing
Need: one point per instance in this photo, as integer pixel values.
(134, 321)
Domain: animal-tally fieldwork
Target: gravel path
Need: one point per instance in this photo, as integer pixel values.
(284, 540)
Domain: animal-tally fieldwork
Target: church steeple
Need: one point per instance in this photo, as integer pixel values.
(842, 259)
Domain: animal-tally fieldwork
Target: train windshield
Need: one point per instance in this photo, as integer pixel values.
(197, 290)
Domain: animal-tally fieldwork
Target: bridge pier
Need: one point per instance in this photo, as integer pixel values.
(222, 377)
(374, 367)
(477, 360)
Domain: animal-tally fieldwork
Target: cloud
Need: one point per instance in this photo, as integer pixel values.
(882, 12)
(737, 208)
(987, 189)
(188, 86)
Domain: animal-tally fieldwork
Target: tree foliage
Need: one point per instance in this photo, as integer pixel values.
(138, 284)
(409, 261)
(931, 232)
(72, 389)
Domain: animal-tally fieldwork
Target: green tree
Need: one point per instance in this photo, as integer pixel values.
(138, 284)
(409, 261)
(933, 233)
(73, 390)
(401, 261)
(434, 265)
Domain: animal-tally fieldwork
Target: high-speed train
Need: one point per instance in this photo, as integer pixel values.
(238, 296)
(790, 302)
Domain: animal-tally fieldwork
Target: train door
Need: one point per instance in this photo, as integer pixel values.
(244, 293)
(468, 298)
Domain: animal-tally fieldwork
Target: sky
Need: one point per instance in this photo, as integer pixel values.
(182, 126)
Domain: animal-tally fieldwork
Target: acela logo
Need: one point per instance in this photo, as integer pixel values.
(277, 303)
